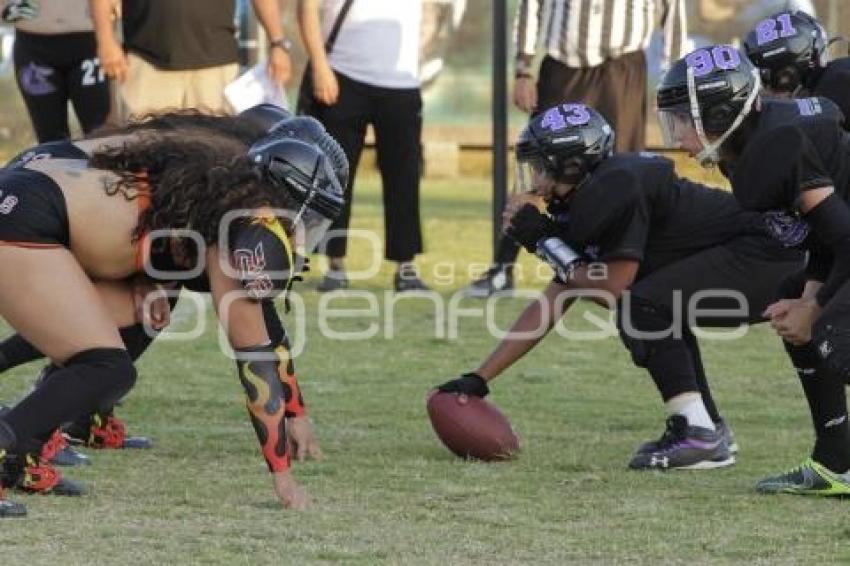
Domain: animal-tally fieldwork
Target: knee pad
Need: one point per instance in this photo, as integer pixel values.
(109, 372)
(644, 317)
(831, 343)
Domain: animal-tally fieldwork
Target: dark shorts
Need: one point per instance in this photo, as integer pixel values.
(32, 210)
(747, 269)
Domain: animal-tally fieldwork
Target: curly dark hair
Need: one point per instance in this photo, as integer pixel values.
(175, 120)
(193, 178)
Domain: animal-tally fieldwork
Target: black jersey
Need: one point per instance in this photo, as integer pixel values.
(796, 145)
(57, 149)
(634, 206)
(834, 83)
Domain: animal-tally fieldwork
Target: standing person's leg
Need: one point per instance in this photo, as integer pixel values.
(621, 98)
(346, 121)
(42, 85)
(205, 89)
(95, 369)
(149, 89)
(398, 140)
(88, 87)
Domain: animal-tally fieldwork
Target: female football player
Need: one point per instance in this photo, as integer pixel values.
(173, 197)
(788, 161)
(103, 429)
(650, 243)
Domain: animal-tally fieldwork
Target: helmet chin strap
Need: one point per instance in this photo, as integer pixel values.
(710, 156)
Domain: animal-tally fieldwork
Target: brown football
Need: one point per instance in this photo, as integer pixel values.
(471, 427)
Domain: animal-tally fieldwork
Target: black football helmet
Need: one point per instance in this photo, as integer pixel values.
(309, 187)
(265, 115)
(565, 143)
(790, 50)
(310, 130)
(711, 90)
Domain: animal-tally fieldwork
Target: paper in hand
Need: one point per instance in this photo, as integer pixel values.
(255, 87)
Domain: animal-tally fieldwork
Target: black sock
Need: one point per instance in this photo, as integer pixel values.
(136, 340)
(15, 350)
(507, 251)
(86, 382)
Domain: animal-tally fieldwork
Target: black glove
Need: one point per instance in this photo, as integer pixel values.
(468, 383)
(529, 226)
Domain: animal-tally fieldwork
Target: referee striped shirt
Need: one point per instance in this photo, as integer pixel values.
(586, 33)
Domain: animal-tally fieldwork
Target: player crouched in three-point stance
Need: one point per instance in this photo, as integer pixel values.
(69, 223)
(789, 161)
(102, 429)
(656, 237)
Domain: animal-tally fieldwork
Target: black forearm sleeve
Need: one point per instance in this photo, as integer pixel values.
(258, 372)
(830, 220)
(819, 263)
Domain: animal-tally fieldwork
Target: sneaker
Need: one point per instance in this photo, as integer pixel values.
(809, 478)
(684, 447)
(726, 432)
(408, 280)
(722, 428)
(498, 279)
(106, 432)
(31, 474)
(9, 508)
(333, 281)
(58, 452)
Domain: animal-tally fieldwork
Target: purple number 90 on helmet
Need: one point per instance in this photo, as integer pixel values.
(710, 90)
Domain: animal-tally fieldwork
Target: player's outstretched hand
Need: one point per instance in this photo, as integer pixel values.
(303, 437)
(468, 383)
(290, 494)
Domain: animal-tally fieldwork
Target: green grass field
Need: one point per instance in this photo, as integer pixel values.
(390, 493)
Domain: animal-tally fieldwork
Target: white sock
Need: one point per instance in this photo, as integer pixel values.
(690, 406)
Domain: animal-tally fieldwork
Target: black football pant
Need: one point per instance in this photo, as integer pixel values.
(54, 69)
(396, 117)
(742, 277)
(823, 367)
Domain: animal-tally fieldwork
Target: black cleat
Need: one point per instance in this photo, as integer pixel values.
(31, 474)
(722, 428)
(9, 508)
(498, 279)
(684, 447)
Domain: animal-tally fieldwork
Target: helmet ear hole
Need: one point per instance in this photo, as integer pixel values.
(718, 118)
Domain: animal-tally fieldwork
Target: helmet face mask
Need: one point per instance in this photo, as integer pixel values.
(788, 48)
(309, 186)
(560, 147)
(677, 126)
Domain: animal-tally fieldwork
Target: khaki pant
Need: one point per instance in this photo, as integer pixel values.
(150, 89)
